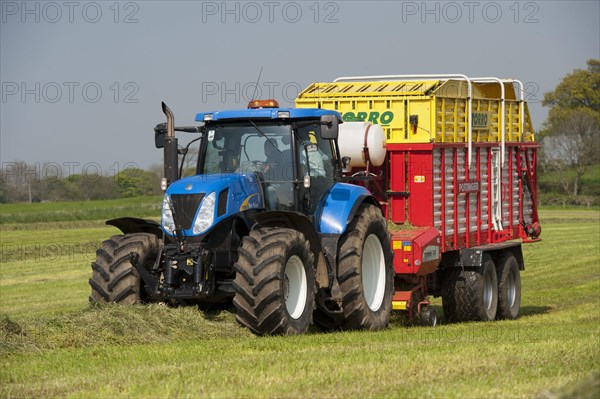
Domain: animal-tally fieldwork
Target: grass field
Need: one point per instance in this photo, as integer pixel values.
(53, 343)
(15, 215)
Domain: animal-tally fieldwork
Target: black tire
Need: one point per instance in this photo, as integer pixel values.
(509, 288)
(428, 316)
(471, 294)
(366, 271)
(275, 282)
(114, 278)
(450, 281)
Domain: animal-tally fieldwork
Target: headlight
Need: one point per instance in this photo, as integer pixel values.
(206, 214)
(167, 215)
(431, 252)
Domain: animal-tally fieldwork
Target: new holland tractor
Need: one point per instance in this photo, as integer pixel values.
(265, 222)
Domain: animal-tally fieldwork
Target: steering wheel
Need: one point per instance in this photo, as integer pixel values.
(251, 166)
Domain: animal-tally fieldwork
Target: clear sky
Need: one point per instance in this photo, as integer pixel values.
(82, 81)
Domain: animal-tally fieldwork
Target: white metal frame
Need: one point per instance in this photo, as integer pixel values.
(459, 76)
(450, 76)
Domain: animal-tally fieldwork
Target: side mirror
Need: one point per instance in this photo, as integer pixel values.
(346, 162)
(160, 131)
(329, 127)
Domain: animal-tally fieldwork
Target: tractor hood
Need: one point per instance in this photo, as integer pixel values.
(197, 203)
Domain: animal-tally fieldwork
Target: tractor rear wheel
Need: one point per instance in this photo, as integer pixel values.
(471, 294)
(365, 271)
(114, 278)
(509, 288)
(275, 282)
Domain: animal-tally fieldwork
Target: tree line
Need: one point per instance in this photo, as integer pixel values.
(23, 182)
(570, 139)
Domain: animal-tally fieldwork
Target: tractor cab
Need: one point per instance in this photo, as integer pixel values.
(284, 148)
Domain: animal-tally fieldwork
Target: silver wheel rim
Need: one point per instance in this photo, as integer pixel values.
(373, 272)
(512, 290)
(488, 292)
(295, 291)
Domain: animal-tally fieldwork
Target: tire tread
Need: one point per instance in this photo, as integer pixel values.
(258, 281)
(114, 278)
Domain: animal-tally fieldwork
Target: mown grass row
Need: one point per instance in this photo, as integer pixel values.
(524, 358)
(53, 343)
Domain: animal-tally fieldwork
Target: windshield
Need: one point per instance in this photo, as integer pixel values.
(266, 148)
(241, 148)
(263, 148)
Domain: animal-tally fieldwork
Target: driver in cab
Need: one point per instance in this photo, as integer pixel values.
(274, 163)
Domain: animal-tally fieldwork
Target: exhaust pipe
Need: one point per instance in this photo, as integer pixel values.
(170, 147)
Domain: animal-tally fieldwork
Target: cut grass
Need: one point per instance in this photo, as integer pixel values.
(52, 343)
(515, 359)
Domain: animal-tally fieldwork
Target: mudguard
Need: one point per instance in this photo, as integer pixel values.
(340, 205)
(135, 225)
(292, 220)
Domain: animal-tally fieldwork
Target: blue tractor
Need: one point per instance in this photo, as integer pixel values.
(266, 223)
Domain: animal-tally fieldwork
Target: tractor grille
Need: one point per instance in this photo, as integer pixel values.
(185, 207)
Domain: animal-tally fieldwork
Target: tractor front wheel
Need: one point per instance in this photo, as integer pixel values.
(114, 278)
(275, 282)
